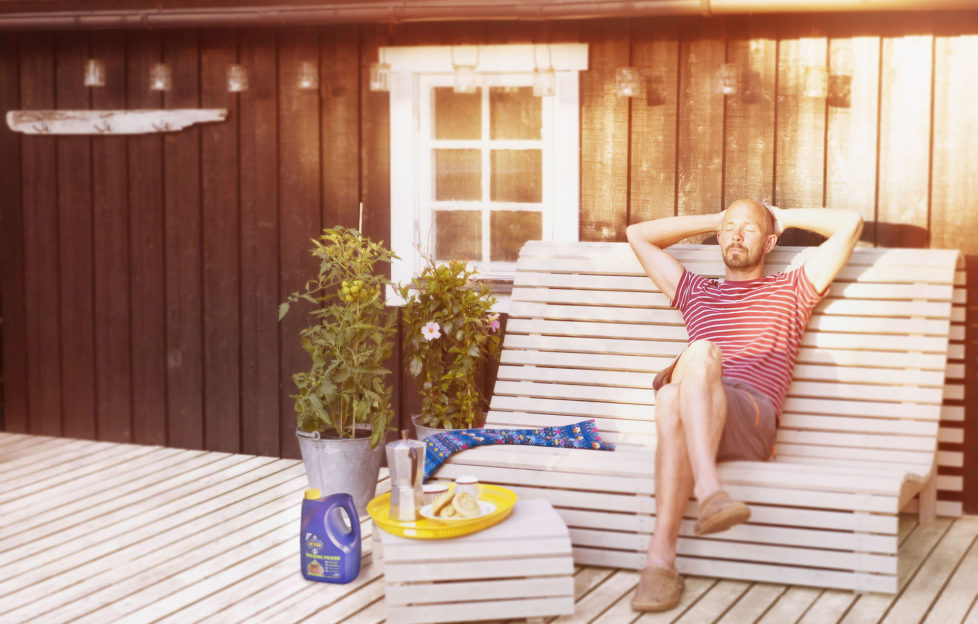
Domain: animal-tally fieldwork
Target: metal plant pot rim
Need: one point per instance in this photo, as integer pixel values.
(315, 435)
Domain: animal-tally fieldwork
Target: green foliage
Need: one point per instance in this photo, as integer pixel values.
(349, 341)
(444, 358)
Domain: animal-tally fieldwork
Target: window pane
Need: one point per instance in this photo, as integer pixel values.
(458, 175)
(458, 235)
(457, 115)
(509, 229)
(514, 113)
(516, 176)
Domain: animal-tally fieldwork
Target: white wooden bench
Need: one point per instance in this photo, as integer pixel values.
(588, 330)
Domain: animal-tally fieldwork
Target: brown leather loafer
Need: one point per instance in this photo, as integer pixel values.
(719, 512)
(659, 589)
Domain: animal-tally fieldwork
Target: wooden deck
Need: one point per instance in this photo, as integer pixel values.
(101, 532)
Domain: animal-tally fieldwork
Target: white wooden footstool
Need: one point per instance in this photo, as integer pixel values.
(519, 568)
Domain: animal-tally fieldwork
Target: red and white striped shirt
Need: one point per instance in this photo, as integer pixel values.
(757, 324)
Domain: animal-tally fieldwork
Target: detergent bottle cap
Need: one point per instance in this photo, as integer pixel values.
(313, 494)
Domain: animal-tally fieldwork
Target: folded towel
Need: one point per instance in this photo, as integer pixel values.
(441, 446)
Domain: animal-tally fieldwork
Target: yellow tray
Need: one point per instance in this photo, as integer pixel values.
(425, 528)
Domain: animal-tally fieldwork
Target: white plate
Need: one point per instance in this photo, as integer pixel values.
(485, 508)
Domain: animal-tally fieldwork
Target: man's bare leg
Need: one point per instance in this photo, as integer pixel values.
(703, 411)
(689, 416)
(673, 478)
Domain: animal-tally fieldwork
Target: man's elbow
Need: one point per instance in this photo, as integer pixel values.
(857, 225)
(631, 233)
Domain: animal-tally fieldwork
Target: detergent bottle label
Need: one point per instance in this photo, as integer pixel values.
(319, 564)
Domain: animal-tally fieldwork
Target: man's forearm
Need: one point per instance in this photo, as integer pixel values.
(824, 221)
(670, 230)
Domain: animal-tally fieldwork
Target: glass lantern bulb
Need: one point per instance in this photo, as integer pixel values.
(544, 82)
(816, 82)
(465, 79)
(727, 79)
(94, 73)
(308, 76)
(380, 77)
(627, 82)
(160, 77)
(237, 78)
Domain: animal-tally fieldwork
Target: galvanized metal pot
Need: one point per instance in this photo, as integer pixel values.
(422, 431)
(341, 465)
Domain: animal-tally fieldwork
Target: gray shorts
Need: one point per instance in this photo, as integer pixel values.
(751, 423)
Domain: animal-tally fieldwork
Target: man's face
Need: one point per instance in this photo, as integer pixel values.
(744, 235)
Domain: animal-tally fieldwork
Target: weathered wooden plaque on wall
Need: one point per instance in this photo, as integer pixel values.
(110, 121)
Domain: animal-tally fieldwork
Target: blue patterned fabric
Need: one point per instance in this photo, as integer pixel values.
(441, 446)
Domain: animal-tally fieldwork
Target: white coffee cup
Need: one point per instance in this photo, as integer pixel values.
(467, 483)
(432, 491)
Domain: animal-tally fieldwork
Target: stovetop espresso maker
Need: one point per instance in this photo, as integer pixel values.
(405, 459)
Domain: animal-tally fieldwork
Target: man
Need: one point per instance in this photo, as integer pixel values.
(721, 399)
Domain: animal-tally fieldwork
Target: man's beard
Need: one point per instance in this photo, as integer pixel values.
(743, 261)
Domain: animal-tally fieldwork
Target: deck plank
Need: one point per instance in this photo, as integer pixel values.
(621, 609)
(125, 527)
(830, 606)
(754, 604)
(715, 602)
(872, 607)
(170, 551)
(53, 468)
(972, 614)
(961, 591)
(96, 490)
(280, 562)
(222, 549)
(612, 588)
(928, 583)
(77, 512)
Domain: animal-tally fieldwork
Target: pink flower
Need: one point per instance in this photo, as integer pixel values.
(494, 322)
(431, 331)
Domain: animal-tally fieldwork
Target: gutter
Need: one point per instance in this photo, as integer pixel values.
(398, 11)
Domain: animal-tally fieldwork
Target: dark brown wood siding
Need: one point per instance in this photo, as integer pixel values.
(141, 275)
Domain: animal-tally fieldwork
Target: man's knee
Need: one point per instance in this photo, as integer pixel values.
(702, 356)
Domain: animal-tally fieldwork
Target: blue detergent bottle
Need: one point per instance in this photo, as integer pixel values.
(329, 538)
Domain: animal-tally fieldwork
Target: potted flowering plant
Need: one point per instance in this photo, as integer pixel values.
(449, 330)
(343, 404)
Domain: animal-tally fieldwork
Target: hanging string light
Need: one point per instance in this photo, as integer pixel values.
(308, 76)
(237, 78)
(160, 77)
(466, 80)
(380, 73)
(544, 80)
(726, 79)
(627, 83)
(94, 73)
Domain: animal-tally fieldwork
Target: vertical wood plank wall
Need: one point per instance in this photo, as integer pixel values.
(141, 275)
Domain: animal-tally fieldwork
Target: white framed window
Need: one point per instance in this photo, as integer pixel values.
(475, 175)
